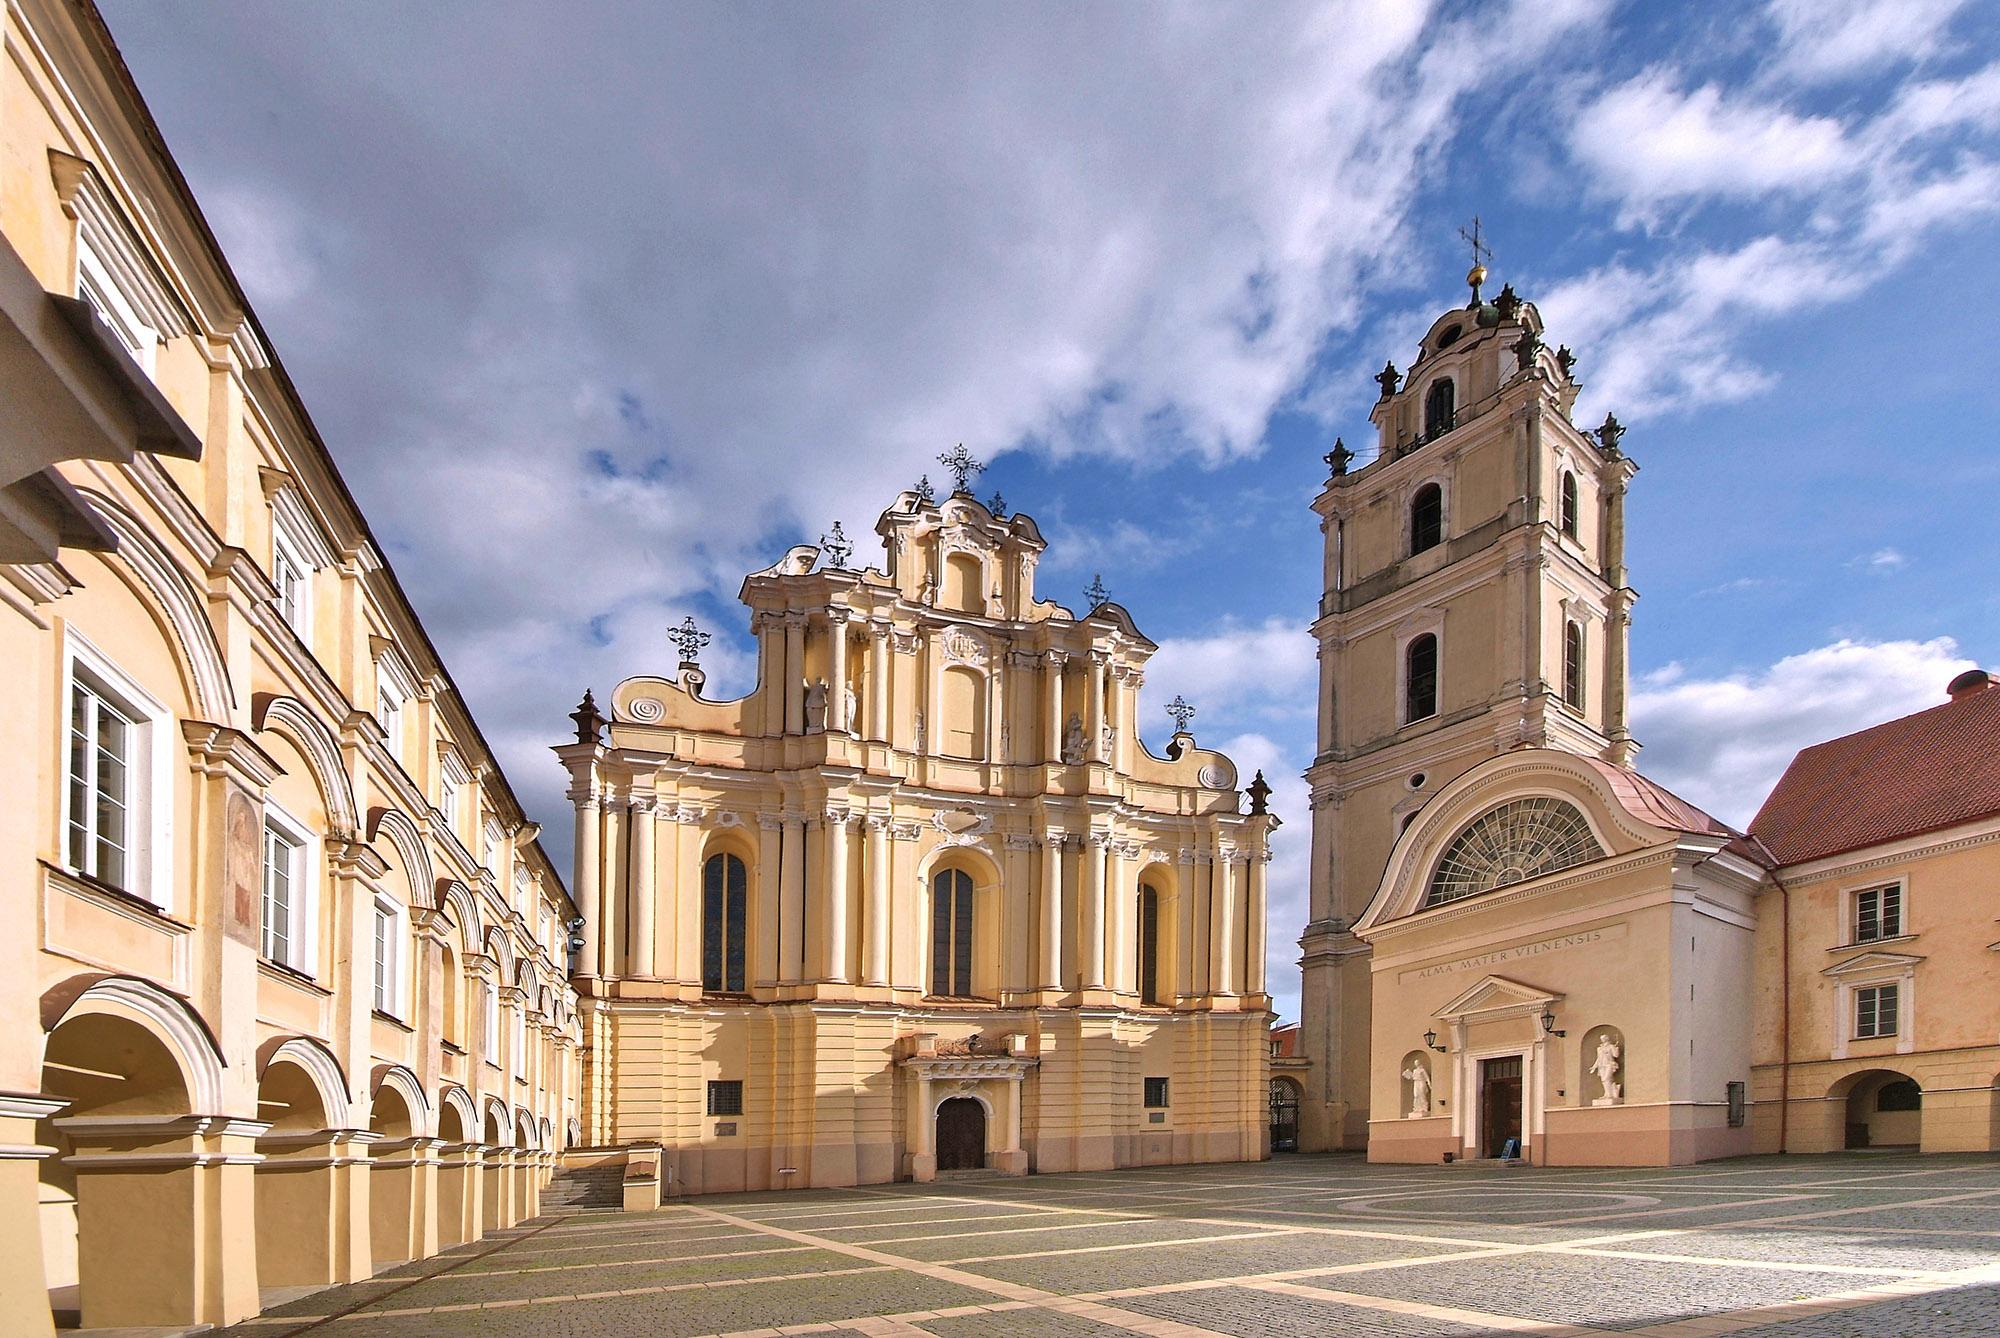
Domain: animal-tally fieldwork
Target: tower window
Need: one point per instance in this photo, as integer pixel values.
(1573, 664)
(1440, 406)
(1426, 518)
(1149, 946)
(1420, 683)
(951, 933)
(1569, 504)
(724, 895)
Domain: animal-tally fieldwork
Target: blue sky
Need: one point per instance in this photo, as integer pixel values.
(599, 315)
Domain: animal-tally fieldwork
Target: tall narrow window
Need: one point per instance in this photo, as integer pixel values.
(1440, 404)
(1420, 684)
(388, 955)
(1149, 946)
(724, 899)
(389, 715)
(1573, 664)
(283, 937)
(288, 577)
(100, 784)
(1569, 503)
(1426, 518)
(951, 933)
(1878, 913)
(454, 1034)
(489, 1030)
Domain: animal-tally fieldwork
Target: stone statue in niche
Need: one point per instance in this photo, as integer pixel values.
(816, 706)
(1605, 1066)
(851, 704)
(1074, 745)
(1110, 742)
(1420, 1090)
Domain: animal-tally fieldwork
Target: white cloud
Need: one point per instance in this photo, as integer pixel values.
(1881, 562)
(1822, 40)
(1237, 673)
(1291, 855)
(1723, 742)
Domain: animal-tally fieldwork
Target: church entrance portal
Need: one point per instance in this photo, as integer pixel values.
(961, 1135)
(1499, 1104)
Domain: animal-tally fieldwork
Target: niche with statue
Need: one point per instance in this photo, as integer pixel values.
(1417, 1091)
(1603, 1057)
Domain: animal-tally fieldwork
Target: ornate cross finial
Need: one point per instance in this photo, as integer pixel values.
(588, 721)
(836, 548)
(1181, 713)
(962, 466)
(688, 639)
(998, 506)
(1481, 253)
(925, 493)
(1338, 458)
(1096, 593)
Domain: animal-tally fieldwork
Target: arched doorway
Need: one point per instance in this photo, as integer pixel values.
(395, 1197)
(458, 1176)
(1885, 1109)
(1285, 1096)
(961, 1135)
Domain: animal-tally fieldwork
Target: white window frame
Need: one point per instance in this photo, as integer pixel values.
(388, 990)
(149, 803)
(287, 554)
(1901, 893)
(302, 946)
(453, 780)
(1861, 992)
(490, 840)
(489, 1025)
(97, 285)
(389, 702)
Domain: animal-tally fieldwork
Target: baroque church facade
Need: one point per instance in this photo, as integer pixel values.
(923, 900)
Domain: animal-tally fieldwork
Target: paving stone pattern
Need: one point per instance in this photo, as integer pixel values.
(1843, 1246)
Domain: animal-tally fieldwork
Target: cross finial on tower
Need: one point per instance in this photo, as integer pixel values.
(688, 639)
(1096, 594)
(1181, 713)
(1475, 238)
(962, 466)
(836, 547)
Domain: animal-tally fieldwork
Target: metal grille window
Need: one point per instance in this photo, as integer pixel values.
(1440, 408)
(1156, 1093)
(1878, 913)
(100, 785)
(951, 933)
(1875, 1012)
(1519, 840)
(724, 912)
(725, 1097)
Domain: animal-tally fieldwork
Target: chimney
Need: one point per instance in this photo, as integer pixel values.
(1968, 683)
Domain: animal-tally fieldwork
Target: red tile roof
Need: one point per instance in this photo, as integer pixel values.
(1935, 769)
(1284, 1040)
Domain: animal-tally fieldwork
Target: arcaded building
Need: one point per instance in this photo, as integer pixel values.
(283, 997)
(923, 900)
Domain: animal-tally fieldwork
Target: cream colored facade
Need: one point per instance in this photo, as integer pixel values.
(923, 893)
(284, 998)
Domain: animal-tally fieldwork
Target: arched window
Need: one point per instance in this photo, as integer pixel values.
(1519, 840)
(1439, 408)
(1426, 518)
(964, 732)
(724, 903)
(1573, 664)
(453, 1027)
(1420, 682)
(1569, 503)
(951, 933)
(1149, 945)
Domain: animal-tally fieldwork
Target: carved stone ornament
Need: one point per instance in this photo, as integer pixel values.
(904, 831)
(646, 710)
(1075, 745)
(1217, 775)
(961, 826)
(1021, 841)
(904, 642)
(961, 647)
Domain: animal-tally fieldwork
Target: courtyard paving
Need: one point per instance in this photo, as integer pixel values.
(1801, 1247)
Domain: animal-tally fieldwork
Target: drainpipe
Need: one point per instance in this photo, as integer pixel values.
(1784, 1012)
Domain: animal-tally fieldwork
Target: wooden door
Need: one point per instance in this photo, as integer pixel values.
(961, 1135)
(1499, 1104)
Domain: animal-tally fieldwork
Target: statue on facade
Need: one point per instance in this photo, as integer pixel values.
(1388, 378)
(1074, 746)
(851, 705)
(1420, 1090)
(1605, 1066)
(816, 706)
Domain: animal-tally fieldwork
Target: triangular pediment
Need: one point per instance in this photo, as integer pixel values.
(1497, 994)
(1873, 961)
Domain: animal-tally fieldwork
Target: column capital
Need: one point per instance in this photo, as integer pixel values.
(1056, 658)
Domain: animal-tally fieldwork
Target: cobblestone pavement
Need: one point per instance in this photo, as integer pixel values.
(1839, 1246)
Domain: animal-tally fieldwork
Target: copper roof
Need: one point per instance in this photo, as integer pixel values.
(1924, 772)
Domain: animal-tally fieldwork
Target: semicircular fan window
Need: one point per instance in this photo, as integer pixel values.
(1521, 839)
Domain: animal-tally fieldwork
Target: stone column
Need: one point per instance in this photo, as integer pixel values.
(770, 671)
(403, 1200)
(587, 836)
(792, 902)
(1223, 941)
(24, 1307)
(875, 951)
(611, 901)
(645, 874)
(836, 686)
(1052, 911)
(1118, 970)
(833, 913)
(1094, 717)
(1052, 705)
(770, 879)
(1255, 948)
(1090, 937)
(795, 673)
(878, 681)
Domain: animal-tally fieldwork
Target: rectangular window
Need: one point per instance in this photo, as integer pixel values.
(1736, 1105)
(387, 940)
(1878, 913)
(291, 577)
(1875, 1012)
(282, 909)
(96, 285)
(1149, 946)
(725, 1097)
(448, 801)
(1156, 1093)
(389, 714)
(490, 1026)
(101, 739)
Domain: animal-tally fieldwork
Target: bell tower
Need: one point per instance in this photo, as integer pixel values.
(1475, 602)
